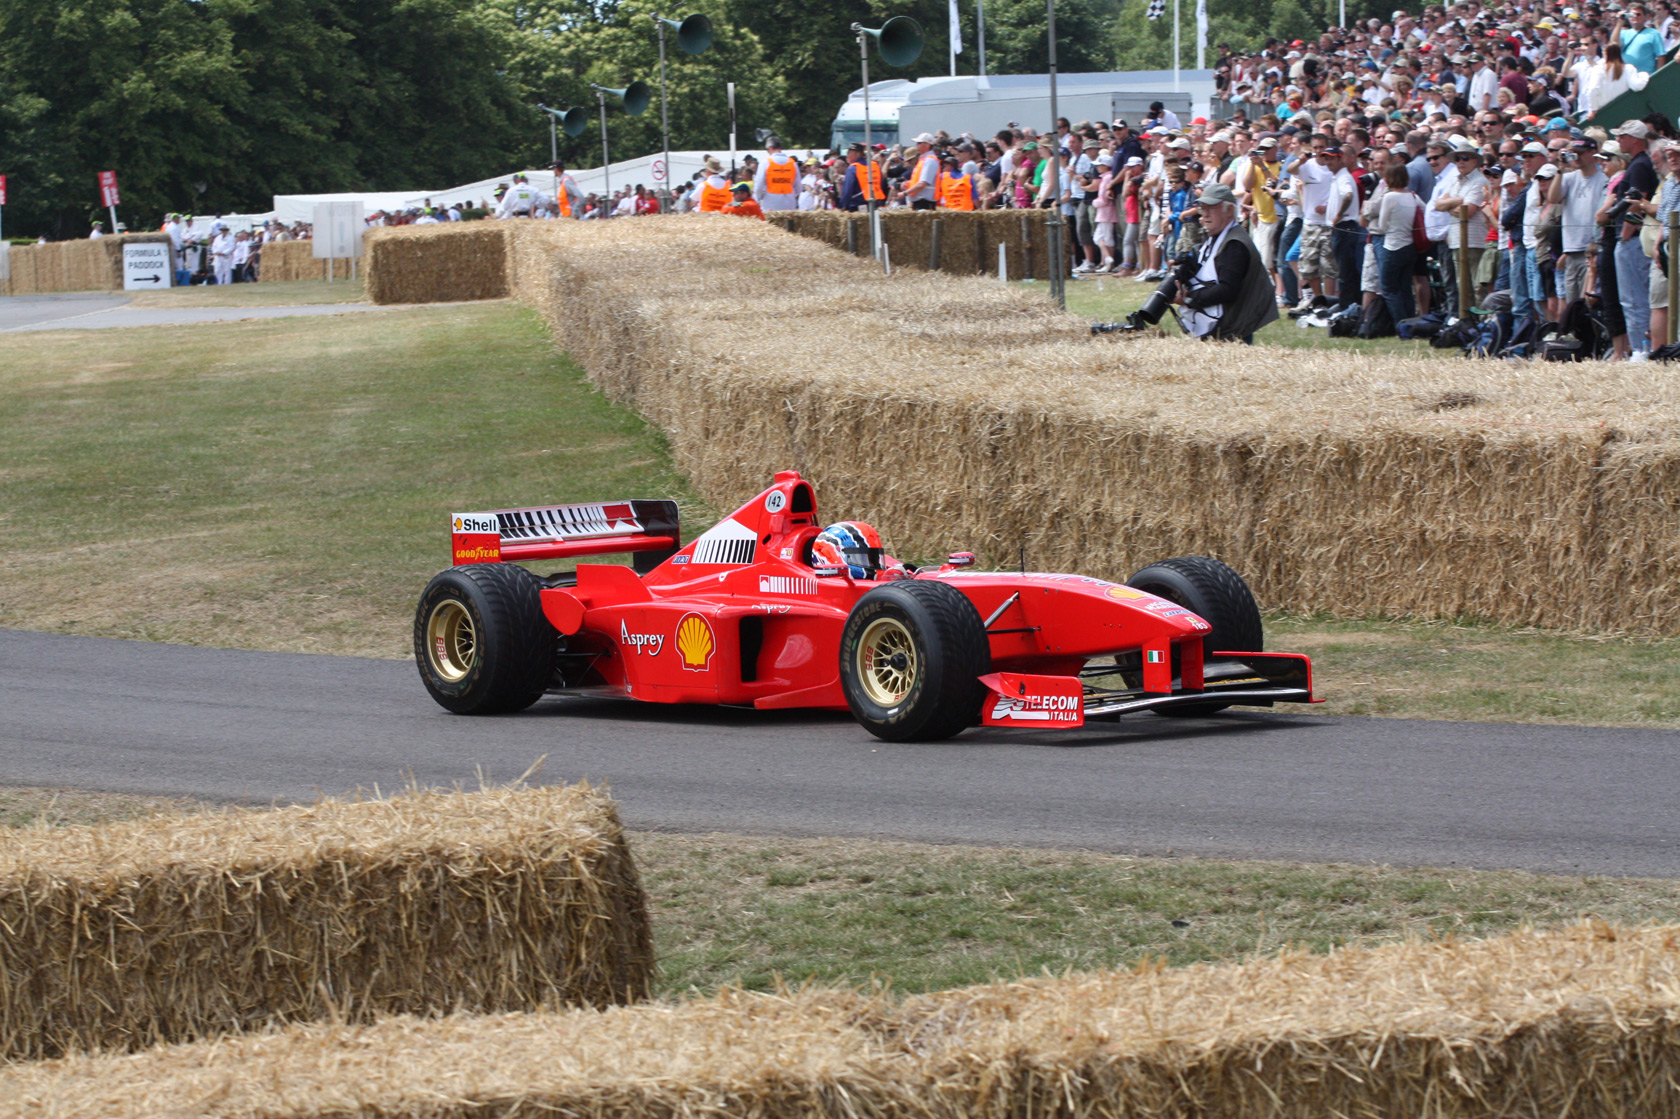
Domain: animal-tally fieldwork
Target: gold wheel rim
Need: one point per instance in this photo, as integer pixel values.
(887, 662)
(451, 641)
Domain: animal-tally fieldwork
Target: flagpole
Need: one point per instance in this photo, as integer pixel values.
(952, 38)
(1175, 46)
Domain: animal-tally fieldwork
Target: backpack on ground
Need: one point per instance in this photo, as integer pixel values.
(1375, 321)
(1489, 336)
(1345, 323)
(1420, 326)
(1455, 336)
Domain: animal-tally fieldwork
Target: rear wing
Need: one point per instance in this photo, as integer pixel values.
(650, 529)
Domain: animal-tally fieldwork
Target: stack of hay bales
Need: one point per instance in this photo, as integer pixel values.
(405, 266)
(175, 928)
(86, 265)
(955, 412)
(285, 261)
(968, 243)
(1583, 1022)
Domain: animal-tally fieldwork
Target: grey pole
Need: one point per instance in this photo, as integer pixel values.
(664, 117)
(868, 144)
(606, 161)
(980, 34)
(1058, 259)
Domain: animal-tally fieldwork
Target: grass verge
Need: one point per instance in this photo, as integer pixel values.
(752, 911)
(286, 483)
(297, 293)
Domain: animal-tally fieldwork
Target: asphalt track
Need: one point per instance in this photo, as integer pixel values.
(23, 313)
(261, 727)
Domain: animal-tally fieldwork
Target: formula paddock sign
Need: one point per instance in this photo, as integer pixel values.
(146, 266)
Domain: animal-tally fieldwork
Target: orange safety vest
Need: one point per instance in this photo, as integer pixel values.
(561, 196)
(956, 191)
(780, 178)
(869, 180)
(713, 199)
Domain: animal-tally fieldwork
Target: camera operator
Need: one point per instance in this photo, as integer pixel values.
(1228, 296)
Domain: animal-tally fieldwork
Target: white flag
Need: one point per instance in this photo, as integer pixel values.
(956, 30)
(1201, 34)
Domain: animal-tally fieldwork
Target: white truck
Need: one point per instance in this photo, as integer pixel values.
(900, 109)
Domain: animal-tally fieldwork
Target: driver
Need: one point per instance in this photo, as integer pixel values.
(856, 547)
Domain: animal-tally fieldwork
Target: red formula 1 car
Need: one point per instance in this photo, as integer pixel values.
(769, 608)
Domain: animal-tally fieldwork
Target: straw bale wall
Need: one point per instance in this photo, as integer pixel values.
(176, 928)
(94, 265)
(1583, 1022)
(954, 412)
(406, 265)
(968, 241)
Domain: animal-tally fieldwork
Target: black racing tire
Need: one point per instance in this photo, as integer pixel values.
(936, 691)
(1222, 599)
(481, 641)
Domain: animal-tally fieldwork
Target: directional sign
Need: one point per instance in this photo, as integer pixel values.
(146, 265)
(659, 170)
(108, 190)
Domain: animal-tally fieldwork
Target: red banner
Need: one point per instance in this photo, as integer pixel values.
(2, 190)
(108, 190)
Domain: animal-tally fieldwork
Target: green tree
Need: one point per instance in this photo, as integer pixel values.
(91, 85)
(560, 46)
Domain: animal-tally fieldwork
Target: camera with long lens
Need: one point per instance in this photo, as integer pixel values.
(1181, 272)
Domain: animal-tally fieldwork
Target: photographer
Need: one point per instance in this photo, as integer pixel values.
(1228, 295)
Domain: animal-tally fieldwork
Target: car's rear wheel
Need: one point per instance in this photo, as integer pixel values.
(911, 657)
(480, 639)
(1219, 596)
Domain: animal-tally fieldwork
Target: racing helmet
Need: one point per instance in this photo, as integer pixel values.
(853, 545)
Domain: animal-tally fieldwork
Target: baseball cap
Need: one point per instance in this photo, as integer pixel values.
(1611, 150)
(1549, 171)
(746, 186)
(1333, 149)
(1215, 193)
(1638, 129)
(1134, 161)
(924, 138)
(1534, 147)
(1268, 143)
(1511, 176)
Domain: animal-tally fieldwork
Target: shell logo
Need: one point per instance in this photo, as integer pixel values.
(1127, 592)
(695, 642)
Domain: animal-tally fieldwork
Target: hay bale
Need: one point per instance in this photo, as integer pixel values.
(438, 263)
(1581, 1021)
(84, 265)
(289, 261)
(172, 928)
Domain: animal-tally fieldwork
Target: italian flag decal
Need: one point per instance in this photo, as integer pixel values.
(1154, 656)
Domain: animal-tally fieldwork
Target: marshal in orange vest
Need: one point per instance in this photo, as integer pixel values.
(956, 192)
(780, 178)
(713, 199)
(869, 180)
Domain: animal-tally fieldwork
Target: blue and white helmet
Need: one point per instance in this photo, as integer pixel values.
(852, 545)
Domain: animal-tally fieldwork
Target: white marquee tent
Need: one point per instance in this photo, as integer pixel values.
(291, 208)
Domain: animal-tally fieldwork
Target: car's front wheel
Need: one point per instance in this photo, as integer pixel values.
(1216, 593)
(480, 639)
(911, 657)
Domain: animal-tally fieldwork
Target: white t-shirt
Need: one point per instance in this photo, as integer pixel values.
(1316, 181)
(1472, 188)
(1435, 222)
(1533, 209)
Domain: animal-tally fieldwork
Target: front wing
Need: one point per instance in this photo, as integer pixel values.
(1248, 679)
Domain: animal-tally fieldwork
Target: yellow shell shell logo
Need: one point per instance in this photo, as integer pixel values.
(695, 642)
(1126, 592)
